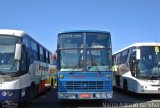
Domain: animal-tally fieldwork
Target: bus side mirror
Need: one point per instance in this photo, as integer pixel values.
(18, 50)
(138, 54)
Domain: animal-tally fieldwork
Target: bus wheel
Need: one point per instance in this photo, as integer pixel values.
(125, 86)
(32, 92)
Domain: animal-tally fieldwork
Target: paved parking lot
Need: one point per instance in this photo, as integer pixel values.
(120, 99)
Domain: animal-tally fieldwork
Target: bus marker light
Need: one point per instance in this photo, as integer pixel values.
(61, 76)
(108, 76)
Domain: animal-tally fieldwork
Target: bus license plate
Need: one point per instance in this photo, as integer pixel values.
(85, 95)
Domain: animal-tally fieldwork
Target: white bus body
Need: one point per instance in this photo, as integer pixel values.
(137, 68)
(26, 67)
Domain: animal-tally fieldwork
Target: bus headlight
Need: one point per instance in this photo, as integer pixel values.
(109, 95)
(100, 95)
(143, 87)
(108, 75)
(103, 95)
(10, 93)
(7, 93)
(4, 93)
(67, 95)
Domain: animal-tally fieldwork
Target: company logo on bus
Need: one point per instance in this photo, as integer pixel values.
(43, 68)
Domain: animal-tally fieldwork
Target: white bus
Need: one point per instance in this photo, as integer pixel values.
(26, 67)
(137, 68)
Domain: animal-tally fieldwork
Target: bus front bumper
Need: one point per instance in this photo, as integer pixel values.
(85, 95)
(12, 95)
(149, 89)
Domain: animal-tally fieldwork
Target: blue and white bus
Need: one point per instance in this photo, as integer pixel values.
(26, 67)
(84, 60)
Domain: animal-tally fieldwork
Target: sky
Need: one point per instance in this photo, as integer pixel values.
(128, 21)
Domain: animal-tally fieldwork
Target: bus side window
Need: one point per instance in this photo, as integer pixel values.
(113, 60)
(47, 57)
(44, 55)
(26, 46)
(34, 50)
(124, 56)
(41, 54)
(50, 58)
(118, 59)
(23, 65)
(25, 41)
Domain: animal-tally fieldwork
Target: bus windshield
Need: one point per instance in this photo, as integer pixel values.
(71, 52)
(149, 65)
(98, 60)
(84, 51)
(98, 52)
(7, 49)
(71, 60)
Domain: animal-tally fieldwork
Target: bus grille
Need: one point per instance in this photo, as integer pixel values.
(85, 85)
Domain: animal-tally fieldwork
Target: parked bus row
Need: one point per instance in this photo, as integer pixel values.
(84, 66)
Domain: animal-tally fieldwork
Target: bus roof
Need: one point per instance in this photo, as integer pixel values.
(18, 33)
(139, 44)
(83, 31)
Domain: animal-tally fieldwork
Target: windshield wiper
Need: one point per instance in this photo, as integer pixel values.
(75, 67)
(93, 62)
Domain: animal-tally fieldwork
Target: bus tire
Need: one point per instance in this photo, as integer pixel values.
(125, 86)
(32, 92)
